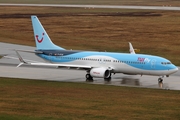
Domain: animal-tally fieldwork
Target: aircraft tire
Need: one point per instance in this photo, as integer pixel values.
(89, 77)
(160, 80)
(107, 79)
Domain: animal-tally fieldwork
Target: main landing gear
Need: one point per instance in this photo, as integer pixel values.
(89, 78)
(108, 79)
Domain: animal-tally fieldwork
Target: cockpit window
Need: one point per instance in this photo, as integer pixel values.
(165, 63)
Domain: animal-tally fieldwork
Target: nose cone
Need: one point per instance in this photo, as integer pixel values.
(176, 69)
(173, 69)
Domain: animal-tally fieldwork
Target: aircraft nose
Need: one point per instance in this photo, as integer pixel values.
(174, 70)
(177, 69)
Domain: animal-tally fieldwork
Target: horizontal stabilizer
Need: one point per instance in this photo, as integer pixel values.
(20, 59)
(29, 51)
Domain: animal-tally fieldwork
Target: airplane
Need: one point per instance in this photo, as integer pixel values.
(96, 64)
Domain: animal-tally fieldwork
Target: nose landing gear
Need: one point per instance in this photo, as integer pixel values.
(160, 80)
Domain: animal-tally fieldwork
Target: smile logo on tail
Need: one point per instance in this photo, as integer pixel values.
(37, 38)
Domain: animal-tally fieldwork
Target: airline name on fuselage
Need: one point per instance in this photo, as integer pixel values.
(140, 59)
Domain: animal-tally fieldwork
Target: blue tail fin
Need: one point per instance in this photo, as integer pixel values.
(43, 42)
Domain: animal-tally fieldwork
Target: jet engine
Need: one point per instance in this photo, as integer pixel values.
(100, 73)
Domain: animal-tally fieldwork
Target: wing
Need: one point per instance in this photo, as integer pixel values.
(61, 65)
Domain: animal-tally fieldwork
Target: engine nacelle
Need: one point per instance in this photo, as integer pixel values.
(100, 73)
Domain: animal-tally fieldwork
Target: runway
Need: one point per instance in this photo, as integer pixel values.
(8, 69)
(98, 6)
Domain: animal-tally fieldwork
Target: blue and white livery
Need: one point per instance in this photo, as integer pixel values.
(97, 64)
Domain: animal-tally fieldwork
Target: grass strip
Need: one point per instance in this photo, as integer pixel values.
(37, 99)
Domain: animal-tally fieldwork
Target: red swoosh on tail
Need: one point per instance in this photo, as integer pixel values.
(37, 38)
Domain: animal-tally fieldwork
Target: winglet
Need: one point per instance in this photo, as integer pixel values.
(20, 59)
(131, 49)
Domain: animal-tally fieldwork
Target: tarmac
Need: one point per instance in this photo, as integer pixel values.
(98, 6)
(8, 69)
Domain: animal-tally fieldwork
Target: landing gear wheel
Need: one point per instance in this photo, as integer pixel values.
(89, 77)
(107, 79)
(160, 80)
